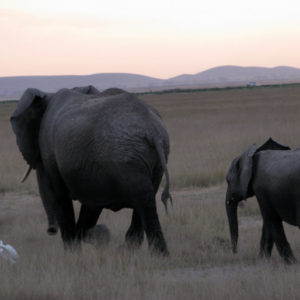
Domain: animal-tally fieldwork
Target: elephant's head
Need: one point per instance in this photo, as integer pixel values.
(238, 179)
(26, 121)
(27, 117)
(239, 188)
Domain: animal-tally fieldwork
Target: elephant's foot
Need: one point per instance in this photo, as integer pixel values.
(72, 246)
(290, 260)
(164, 253)
(98, 235)
(264, 255)
(134, 239)
(158, 246)
(285, 252)
(132, 245)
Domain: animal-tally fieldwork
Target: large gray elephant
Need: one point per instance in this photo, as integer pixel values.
(271, 173)
(107, 150)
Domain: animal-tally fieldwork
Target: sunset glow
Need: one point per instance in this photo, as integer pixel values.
(159, 39)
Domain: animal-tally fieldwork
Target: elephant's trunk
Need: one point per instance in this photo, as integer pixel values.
(48, 199)
(52, 229)
(231, 209)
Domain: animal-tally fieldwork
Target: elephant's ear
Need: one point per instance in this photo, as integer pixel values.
(88, 90)
(246, 163)
(25, 122)
(240, 173)
(270, 144)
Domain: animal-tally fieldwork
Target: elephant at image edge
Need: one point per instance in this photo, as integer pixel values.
(271, 173)
(107, 150)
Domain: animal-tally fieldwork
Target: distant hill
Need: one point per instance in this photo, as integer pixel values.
(220, 76)
(234, 74)
(15, 86)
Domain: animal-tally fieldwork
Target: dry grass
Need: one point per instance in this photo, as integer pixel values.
(201, 265)
(207, 130)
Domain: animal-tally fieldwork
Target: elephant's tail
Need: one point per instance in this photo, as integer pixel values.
(165, 194)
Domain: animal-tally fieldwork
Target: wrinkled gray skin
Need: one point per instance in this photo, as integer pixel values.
(107, 150)
(272, 174)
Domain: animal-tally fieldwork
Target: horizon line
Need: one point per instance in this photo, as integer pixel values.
(123, 73)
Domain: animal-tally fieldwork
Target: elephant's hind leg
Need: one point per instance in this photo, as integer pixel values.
(266, 243)
(66, 220)
(148, 213)
(281, 242)
(62, 206)
(87, 219)
(273, 225)
(135, 233)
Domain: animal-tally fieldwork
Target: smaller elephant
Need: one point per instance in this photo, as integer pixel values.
(271, 173)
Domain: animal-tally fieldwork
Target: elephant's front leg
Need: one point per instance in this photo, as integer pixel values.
(266, 243)
(135, 233)
(148, 213)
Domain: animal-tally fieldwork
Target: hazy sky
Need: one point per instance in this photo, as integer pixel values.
(156, 38)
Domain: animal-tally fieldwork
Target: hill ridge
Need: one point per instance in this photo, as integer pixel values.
(14, 86)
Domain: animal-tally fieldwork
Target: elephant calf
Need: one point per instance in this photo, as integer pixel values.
(271, 173)
(107, 150)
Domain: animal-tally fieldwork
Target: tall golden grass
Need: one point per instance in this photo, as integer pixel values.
(207, 130)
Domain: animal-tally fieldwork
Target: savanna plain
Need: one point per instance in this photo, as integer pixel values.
(207, 130)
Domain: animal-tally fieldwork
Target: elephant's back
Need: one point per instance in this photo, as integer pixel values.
(110, 124)
(278, 163)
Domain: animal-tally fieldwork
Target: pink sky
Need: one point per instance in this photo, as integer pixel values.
(160, 39)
